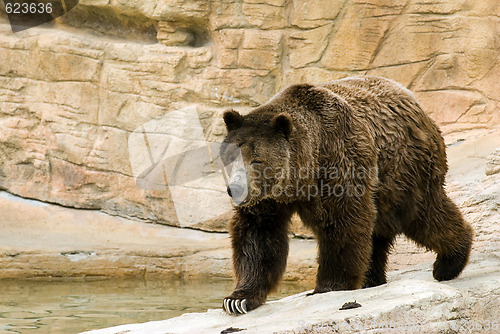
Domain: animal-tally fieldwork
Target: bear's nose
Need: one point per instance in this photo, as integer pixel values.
(235, 191)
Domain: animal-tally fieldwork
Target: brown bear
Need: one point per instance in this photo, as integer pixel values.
(360, 162)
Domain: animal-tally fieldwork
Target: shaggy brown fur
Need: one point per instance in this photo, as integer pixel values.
(366, 136)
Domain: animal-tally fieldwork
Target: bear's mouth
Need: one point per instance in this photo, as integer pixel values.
(245, 201)
(241, 203)
(237, 190)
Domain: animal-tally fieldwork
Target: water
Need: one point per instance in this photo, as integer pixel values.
(69, 306)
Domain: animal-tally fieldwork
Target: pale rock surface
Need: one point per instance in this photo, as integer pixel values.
(410, 303)
(44, 240)
(73, 91)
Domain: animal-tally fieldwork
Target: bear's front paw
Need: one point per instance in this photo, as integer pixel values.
(239, 305)
(235, 306)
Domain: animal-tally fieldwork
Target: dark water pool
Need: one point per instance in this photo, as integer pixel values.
(76, 305)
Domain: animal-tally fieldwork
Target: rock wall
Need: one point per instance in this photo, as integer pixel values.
(73, 91)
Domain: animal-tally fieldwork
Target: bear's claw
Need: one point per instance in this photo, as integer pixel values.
(235, 306)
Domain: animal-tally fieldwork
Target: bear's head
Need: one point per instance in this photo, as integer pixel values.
(256, 154)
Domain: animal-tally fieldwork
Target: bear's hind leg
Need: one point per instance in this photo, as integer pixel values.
(344, 256)
(441, 228)
(381, 246)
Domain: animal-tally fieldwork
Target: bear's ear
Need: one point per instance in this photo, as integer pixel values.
(233, 120)
(282, 123)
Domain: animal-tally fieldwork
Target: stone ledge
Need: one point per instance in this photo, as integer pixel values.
(410, 303)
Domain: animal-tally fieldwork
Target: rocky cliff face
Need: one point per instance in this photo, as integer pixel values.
(72, 92)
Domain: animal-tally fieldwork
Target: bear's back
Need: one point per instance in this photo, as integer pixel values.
(409, 146)
(392, 114)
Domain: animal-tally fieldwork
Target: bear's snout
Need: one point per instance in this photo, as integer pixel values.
(238, 187)
(235, 191)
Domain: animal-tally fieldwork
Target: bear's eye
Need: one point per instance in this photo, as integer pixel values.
(241, 144)
(255, 162)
